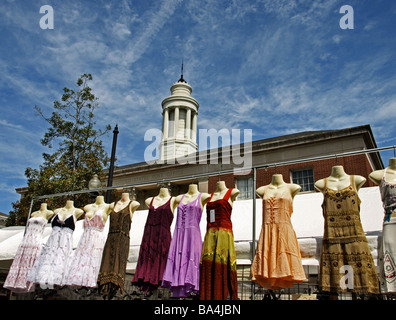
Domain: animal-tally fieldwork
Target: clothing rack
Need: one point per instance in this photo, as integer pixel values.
(253, 169)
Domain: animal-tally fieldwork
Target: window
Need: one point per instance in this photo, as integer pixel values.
(181, 125)
(171, 125)
(304, 178)
(245, 187)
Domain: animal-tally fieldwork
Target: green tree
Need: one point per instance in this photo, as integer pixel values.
(78, 156)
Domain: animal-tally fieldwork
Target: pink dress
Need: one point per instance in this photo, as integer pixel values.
(84, 267)
(26, 255)
(181, 274)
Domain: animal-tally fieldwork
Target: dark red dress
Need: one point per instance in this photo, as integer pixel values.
(154, 247)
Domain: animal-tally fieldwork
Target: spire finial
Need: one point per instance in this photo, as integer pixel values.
(181, 77)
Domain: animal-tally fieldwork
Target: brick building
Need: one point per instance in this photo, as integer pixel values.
(283, 155)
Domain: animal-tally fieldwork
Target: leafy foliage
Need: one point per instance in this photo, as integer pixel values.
(78, 156)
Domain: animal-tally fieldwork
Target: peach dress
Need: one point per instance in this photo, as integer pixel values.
(277, 262)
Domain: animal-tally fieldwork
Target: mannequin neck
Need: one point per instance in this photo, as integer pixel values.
(392, 163)
(192, 189)
(99, 200)
(164, 192)
(338, 172)
(277, 179)
(43, 207)
(220, 186)
(69, 204)
(125, 197)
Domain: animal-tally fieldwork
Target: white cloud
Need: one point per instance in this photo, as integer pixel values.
(336, 38)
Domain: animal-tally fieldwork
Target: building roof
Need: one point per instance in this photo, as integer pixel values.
(279, 142)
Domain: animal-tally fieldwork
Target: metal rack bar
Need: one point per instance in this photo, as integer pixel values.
(216, 172)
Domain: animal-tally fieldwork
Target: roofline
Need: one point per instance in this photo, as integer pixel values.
(277, 143)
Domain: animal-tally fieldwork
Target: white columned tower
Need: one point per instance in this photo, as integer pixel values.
(179, 126)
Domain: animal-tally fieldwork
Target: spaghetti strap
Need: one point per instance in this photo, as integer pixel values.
(151, 202)
(227, 195)
(199, 197)
(198, 200)
(211, 196)
(352, 182)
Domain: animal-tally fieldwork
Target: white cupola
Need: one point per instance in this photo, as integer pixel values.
(179, 125)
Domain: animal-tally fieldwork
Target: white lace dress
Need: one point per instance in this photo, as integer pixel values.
(84, 267)
(25, 257)
(50, 267)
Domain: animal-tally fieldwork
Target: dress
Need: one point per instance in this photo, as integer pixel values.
(84, 267)
(181, 274)
(26, 255)
(277, 263)
(50, 267)
(345, 245)
(387, 258)
(111, 278)
(218, 271)
(154, 248)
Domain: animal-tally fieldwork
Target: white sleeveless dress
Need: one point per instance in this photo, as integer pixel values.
(49, 269)
(26, 255)
(84, 266)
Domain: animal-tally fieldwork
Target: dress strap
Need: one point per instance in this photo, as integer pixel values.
(151, 202)
(352, 182)
(198, 199)
(384, 175)
(211, 196)
(227, 195)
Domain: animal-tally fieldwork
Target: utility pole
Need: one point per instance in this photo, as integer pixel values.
(112, 159)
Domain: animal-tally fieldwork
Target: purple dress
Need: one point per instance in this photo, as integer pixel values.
(181, 274)
(154, 247)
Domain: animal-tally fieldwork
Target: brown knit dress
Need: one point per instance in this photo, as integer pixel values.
(115, 254)
(345, 244)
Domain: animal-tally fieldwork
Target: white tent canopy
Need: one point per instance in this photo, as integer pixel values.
(307, 220)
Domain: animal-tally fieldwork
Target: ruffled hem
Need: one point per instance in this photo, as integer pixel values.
(276, 283)
(181, 291)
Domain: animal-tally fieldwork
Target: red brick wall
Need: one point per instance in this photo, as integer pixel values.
(353, 165)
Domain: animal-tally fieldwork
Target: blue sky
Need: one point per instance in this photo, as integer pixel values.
(276, 67)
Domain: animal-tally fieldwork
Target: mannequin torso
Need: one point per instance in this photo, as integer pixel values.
(91, 209)
(191, 195)
(123, 202)
(221, 190)
(389, 172)
(161, 199)
(43, 212)
(339, 180)
(277, 187)
(67, 210)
